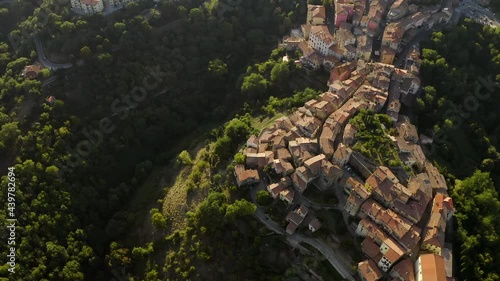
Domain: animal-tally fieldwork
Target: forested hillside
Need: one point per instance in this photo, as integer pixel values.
(74, 177)
(144, 79)
(461, 74)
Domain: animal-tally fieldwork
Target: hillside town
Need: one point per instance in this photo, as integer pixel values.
(402, 215)
(234, 140)
(358, 28)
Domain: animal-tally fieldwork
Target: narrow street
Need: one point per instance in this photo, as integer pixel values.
(421, 35)
(268, 222)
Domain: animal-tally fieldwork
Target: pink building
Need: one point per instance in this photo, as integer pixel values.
(344, 13)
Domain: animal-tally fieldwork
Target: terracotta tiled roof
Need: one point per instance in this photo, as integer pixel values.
(369, 270)
(243, 175)
(369, 248)
(316, 11)
(322, 32)
(432, 268)
(395, 251)
(315, 223)
(404, 269)
(294, 217)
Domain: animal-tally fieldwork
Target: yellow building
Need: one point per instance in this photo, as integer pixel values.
(316, 15)
(387, 55)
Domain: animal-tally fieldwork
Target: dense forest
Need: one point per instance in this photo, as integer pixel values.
(495, 5)
(79, 161)
(458, 106)
(460, 72)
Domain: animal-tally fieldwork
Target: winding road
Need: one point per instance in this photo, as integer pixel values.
(268, 222)
(335, 258)
(482, 15)
(43, 58)
(340, 265)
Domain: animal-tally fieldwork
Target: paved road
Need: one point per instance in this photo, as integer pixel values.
(7, 1)
(268, 222)
(422, 34)
(476, 12)
(45, 61)
(343, 268)
(336, 259)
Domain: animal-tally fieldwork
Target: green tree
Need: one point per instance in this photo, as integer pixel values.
(67, 27)
(239, 158)
(85, 52)
(237, 130)
(217, 68)
(118, 256)
(210, 213)
(4, 118)
(477, 206)
(196, 14)
(45, 73)
(9, 133)
(240, 208)
(263, 197)
(119, 27)
(280, 73)
(184, 158)
(159, 220)
(72, 271)
(254, 85)
(487, 165)
(105, 58)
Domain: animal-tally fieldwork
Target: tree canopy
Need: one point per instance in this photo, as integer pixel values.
(477, 205)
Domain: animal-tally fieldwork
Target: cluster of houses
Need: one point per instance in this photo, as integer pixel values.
(90, 7)
(398, 216)
(356, 24)
(31, 72)
(389, 214)
(404, 20)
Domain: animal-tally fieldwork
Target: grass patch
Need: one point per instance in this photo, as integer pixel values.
(188, 190)
(261, 122)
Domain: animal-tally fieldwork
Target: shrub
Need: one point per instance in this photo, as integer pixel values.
(263, 198)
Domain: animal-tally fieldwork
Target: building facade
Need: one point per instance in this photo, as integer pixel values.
(88, 6)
